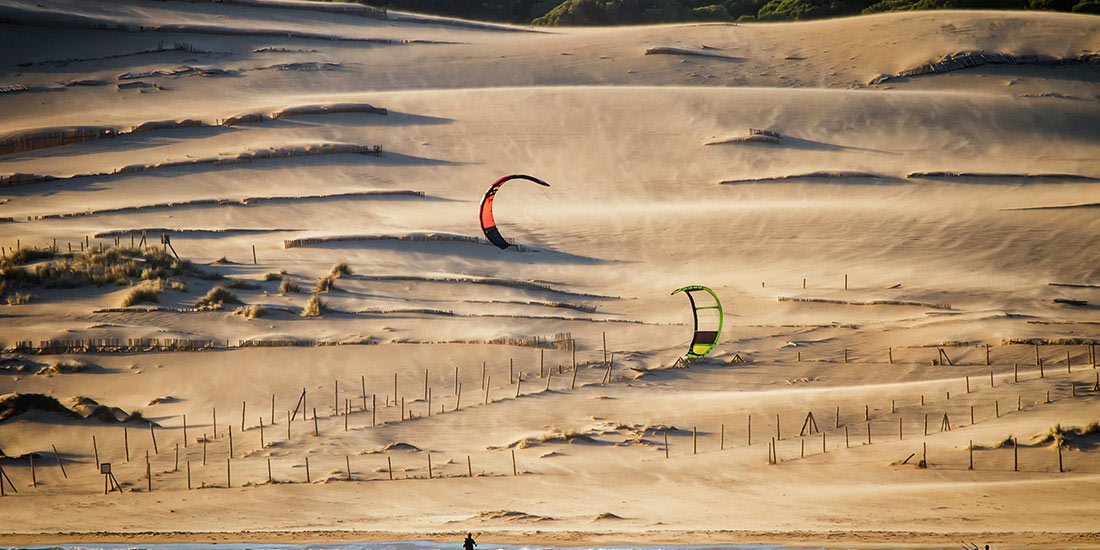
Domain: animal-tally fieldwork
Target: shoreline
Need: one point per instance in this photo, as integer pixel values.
(797, 539)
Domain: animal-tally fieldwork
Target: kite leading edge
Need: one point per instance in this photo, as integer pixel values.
(488, 224)
(707, 331)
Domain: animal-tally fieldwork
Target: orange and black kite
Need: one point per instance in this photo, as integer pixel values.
(488, 225)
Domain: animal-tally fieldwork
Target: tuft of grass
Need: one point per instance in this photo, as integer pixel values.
(221, 261)
(339, 270)
(178, 285)
(241, 284)
(316, 307)
(20, 298)
(251, 312)
(325, 284)
(274, 276)
(98, 266)
(1057, 435)
(1092, 428)
(66, 367)
(1004, 443)
(152, 273)
(24, 255)
(140, 295)
(218, 297)
(288, 286)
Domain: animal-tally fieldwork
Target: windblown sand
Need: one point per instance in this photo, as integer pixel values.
(947, 203)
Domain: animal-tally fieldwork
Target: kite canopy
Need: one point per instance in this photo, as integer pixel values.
(488, 224)
(707, 318)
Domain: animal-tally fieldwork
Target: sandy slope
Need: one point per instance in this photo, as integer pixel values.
(636, 209)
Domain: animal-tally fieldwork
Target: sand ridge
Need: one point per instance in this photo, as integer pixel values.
(901, 258)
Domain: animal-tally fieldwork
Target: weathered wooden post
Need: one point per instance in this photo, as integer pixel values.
(57, 455)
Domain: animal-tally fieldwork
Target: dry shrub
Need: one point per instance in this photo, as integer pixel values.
(241, 284)
(274, 276)
(20, 298)
(251, 312)
(288, 286)
(316, 307)
(325, 284)
(339, 270)
(217, 297)
(140, 295)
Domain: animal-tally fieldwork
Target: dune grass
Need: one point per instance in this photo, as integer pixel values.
(20, 298)
(251, 312)
(288, 286)
(325, 284)
(217, 297)
(140, 295)
(339, 270)
(96, 266)
(316, 307)
(241, 284)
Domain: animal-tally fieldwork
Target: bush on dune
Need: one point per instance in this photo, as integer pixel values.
(140, 295)
(316, 307)
(288, 286)
(217, 298)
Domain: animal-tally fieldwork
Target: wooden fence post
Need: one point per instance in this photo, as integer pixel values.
(153, 436)
(515, 472)
(389, 467)
(59, 463)
(95, 449)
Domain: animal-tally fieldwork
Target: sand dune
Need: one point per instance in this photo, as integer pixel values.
(903, 198)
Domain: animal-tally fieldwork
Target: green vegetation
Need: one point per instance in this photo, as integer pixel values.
(635, 12)
(217, 297)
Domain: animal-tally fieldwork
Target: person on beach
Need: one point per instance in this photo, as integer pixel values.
(469, 543)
